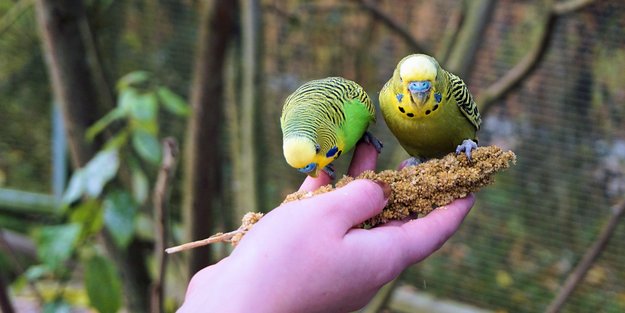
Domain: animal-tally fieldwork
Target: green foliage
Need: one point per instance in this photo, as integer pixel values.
(120, 211)
(103, 284)
(147, 146)
(90, 180)
(55, 244)
(96, 199)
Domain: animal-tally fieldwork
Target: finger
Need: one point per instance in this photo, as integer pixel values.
(313, 183)
(421, 237)
(353, 203)
(365, 158)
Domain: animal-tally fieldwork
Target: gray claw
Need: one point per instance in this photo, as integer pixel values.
(369, 138)
(411, 162)
(329, 169)
(467, 146)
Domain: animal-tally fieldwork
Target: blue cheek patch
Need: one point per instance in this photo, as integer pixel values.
(438, 97)
(399, 96)
(332, 152)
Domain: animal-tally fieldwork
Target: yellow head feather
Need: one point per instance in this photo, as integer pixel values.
(299, 151)
(418, 67)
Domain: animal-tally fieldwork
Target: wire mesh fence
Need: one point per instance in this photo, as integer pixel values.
(565, 120)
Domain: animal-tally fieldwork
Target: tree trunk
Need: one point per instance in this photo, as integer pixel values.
(78, 89)
(204, 145)
(477, 17)
(247, 193)
(61, 26)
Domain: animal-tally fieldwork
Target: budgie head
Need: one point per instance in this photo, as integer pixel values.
(306, 155)
(418, 74)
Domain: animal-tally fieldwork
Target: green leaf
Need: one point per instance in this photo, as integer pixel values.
(144, 107)
(117, 141)
(75, 188)
(55, 244)
(120, 212)
(173, 102)
(36, 272)
(150, 127)
(102, 123)
(99, 171)
(147, 146)
(133, 78)
(140, 185)
(126, 99)
(89, 215)
(103, 285)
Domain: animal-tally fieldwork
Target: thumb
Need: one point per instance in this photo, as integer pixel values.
(355, 202)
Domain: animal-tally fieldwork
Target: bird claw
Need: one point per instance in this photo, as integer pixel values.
(370, 139)
(329, 169)
(410, 162)
(467, 146)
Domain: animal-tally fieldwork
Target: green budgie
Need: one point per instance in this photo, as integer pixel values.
(323, 119)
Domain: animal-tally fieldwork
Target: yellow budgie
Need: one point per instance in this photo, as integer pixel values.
(429, 109)
(323, 119)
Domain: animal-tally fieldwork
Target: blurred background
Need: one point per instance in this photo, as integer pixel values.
(89, 90)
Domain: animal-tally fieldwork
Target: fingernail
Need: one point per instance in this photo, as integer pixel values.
(386, 189)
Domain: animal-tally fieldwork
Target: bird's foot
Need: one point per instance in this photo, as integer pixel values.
(370, 139)
(329, 169)
(467, 146)
(410, 162)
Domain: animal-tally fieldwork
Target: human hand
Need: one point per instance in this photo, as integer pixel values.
(306, 255)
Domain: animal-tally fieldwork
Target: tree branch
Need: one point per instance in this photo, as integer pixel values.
(591, 255)
(203, 148)
(521, 70)
(467, 41)
(160, 201)
(389, 22)
(565, 7)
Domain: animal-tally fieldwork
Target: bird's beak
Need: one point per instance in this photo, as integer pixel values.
(420, 97)
(420, 91)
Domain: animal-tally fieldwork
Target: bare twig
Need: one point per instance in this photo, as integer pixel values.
(248, 220)
(392, 24)
(591, 255)
(160, 199)
(221, 237)
(565, 7)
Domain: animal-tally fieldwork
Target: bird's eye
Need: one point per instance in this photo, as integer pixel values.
(317, 148)
(308, 168)
(419, 86)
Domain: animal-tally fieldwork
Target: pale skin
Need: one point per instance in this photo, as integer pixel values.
(307, 256)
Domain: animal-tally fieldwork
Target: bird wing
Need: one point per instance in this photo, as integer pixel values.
(464, 100)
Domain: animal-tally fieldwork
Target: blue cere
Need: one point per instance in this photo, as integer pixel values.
(308, 168)
(332, 151)
(420, 86)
